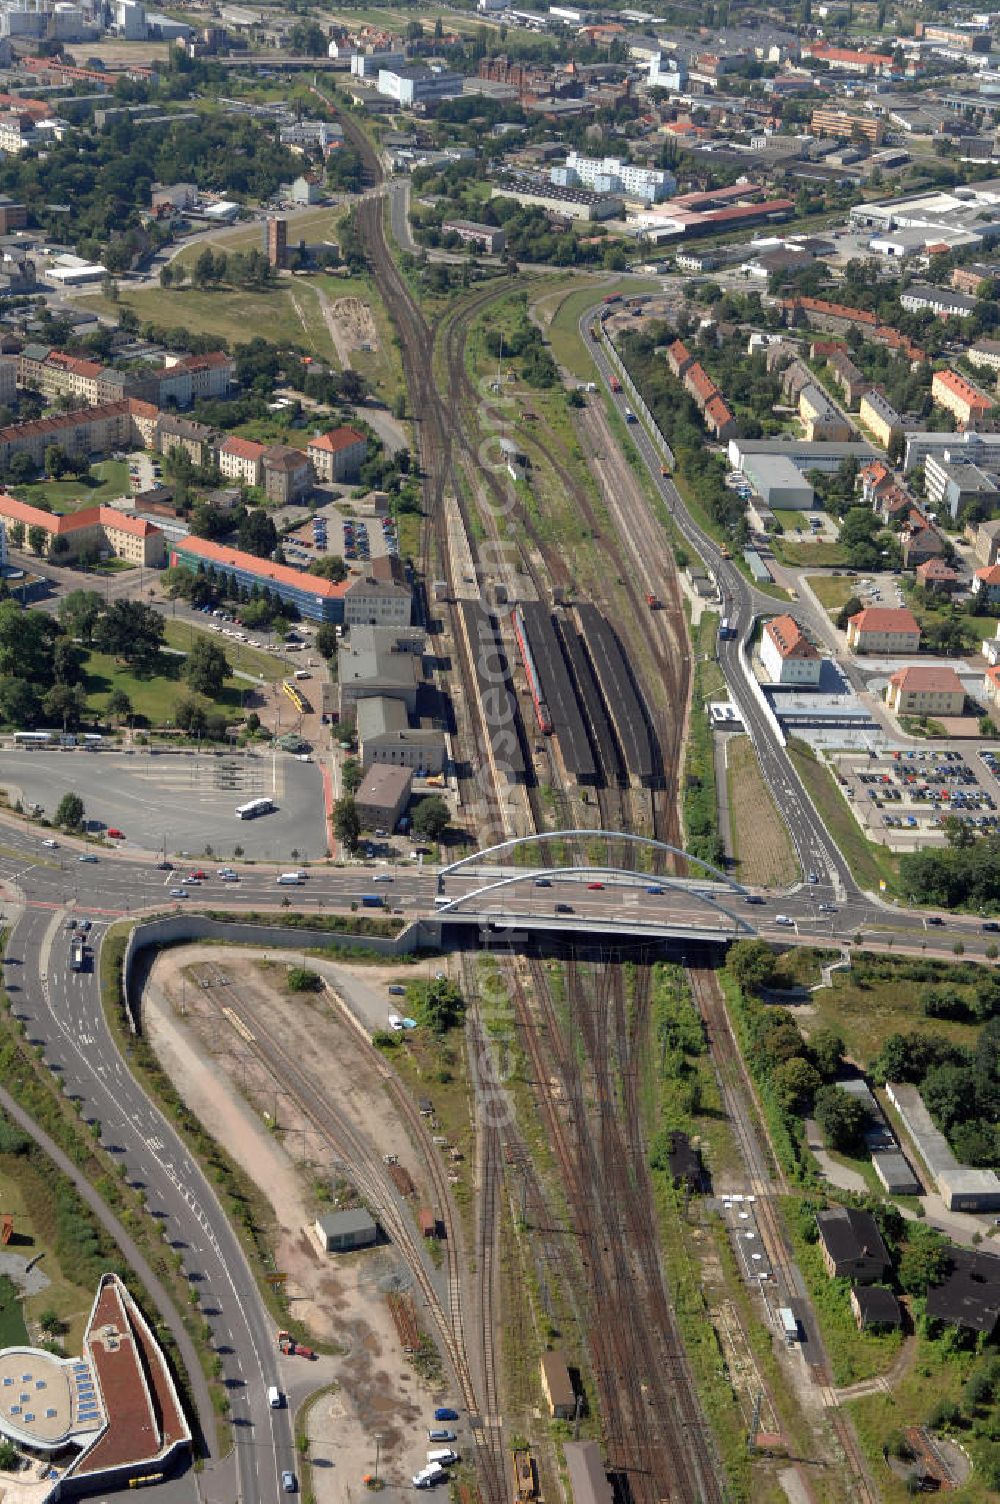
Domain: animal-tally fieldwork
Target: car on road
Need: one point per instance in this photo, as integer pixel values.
(753, 898)
(191, 881)
(396, 990)
(542, 882)
(654, 890)
(114, 834)
(443, 1413)
(288, 1482)
(87, 856)
(440, 1435)
(383, 877)
(814, 877)
(784, 920)
(828, 908)
(85, 926)
(164, 866)
(179, 893)
(595, 887)
(934, 919)
(990, 927)
(230, 877)
(48, 841)
(197, 875)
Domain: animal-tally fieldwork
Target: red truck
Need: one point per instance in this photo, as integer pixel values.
(616, 385)
(291, 1348)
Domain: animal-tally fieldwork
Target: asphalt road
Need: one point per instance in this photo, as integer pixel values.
(181, 801)
(742, 605)
(62, 1012)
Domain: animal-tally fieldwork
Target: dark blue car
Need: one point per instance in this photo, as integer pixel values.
(444, 1414)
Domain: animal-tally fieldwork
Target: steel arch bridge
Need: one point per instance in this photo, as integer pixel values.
(632, 879)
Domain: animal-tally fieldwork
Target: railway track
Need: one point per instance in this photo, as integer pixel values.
(654, 1432)
(767, 1178)
(366, 1172)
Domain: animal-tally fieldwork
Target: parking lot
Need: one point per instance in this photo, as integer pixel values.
(901, 797)
(357, 539)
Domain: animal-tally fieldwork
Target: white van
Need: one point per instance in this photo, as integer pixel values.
(290, 879)
(442, 1457)
(274, 1397)
(429, 1476)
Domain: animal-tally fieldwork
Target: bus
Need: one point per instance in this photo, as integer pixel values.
(254, 808)
(726, 629)
(78, 953)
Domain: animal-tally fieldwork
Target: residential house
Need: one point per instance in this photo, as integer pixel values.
(338, 454)
(890, 630)
(937, 577)
(991, 678)
(698, 384)
(820, 418)
(984, 354)
(718, 419)
(787, 653)
(920, 543)
(880, 417)
(986, 542)
(851, 1245)
(954, 482)
(967, 402)
(986, 586)
(288, 474)
(847, 377)
(197, 440)
(242, 460)
(679, 359)
(922, 691)
(383, 796)
(100, 528)
(940, 300)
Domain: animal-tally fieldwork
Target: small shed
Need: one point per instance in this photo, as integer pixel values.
(340, 1232)
(427, 1222)
(684, 1161)
(875, 1306)
(557, 1387)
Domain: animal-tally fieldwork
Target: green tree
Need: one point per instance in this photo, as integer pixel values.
(850, 608)
(301, 979)
(826, 1050)
(16, 534)
(67, 661)
(841, 1117)
(430, 818)
(795, 1083)
(119, 706)
(329, 567)
(22, 469)
(27, 640)
(190, 716)
(65, 705)
(352, 775)
(206, 667)
(55, 461)
(38, 539)
(132, 631)
(752, 964)
(20, 704)
(924, 1259)
(10, 1457)
(326, 639)
(437, 1004)
(257, 533)
(70, 812)
(78, 613)
(347, 823)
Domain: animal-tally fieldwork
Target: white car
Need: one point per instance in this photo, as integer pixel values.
(52, 845)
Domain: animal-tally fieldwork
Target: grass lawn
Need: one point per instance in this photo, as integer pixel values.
(319, 224)
(13, 1331)
(869, 862)
(563, 322)
(761, 843)
(865, 1010)
(832, 591)
(181, 634)
(819, 555)
(791, 521)
(107, 479)
(233, 316)
(154, 698)
(26, 1195)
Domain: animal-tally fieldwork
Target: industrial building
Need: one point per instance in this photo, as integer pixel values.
(342, 1232)
(383, 795)
(385, 735)
(779, 482)
(969, 1295)
(557, 1386)
(804, 455)
(587, 1476)
(573, 203)
(963, 1188)
(488, 238)
(851, 1245)
(416, 85)
(376, 663)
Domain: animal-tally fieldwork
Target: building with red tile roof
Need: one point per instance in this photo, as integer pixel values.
(679, 359)
(936, 575)
(718, 419)
(787, 653)
(699, 384)
(925, 691)
(966, 401)
(242, 460)
(986, 585)
(103, 528)
(339, 454)
(884, 629)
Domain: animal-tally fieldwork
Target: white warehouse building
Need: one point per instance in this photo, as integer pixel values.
(612, 175)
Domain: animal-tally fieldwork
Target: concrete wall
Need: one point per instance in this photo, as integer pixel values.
(180, 929)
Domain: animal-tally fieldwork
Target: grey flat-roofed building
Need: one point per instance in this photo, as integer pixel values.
(963, 1188)
(385, 735)
(340, 1232)
(805, 454)
(969, 1294)
(383, 796)
(779, 482)
(375, 668)
(587, 1477)
(896, 1173)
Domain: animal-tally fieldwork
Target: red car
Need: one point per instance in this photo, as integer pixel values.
(595, 885)
(199, 876)
(115, 834)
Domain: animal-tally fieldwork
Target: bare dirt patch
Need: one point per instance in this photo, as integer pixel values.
(341, 1300)
(352, 327)
(761, 842)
